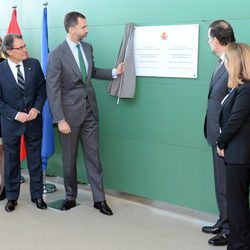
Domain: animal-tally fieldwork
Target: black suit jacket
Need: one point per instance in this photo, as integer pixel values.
(12, 100)
(1, 60)
(217, 91)
(235, 125)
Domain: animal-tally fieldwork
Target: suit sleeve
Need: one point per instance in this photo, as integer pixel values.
(98, 73)
(53, 84)
(240, 112)
(6, 110)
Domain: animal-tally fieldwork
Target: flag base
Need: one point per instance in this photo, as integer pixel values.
(49, 188)
(22, 179)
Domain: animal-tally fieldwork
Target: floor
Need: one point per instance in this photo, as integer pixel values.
(134, 226)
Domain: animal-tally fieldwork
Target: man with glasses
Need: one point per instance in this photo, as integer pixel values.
(22, 95)
(2, 189)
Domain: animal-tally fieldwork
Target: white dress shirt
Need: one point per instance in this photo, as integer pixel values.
(14, 68)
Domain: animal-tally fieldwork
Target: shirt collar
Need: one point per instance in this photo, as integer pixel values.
(13, 65)
(71, 44)
(222, 57)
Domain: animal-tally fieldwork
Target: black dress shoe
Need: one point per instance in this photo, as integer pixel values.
(103, 207)
(3, 195)
(220, 239)
(10, 206)
(40, 203)
(68, 204)
(215, 229)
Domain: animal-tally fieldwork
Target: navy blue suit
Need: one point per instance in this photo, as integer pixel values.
(1, 60)
(1, 155)
(12, 101)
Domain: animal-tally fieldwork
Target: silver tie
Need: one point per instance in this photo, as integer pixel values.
(20, 79)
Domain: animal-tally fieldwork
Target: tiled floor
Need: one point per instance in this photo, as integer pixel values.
(134, 226)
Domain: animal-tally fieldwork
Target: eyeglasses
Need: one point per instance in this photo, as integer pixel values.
(21, 47)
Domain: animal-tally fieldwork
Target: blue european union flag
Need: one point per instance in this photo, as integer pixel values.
(48, 143)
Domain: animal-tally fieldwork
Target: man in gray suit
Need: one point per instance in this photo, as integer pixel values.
(220, 34)
(73, 104)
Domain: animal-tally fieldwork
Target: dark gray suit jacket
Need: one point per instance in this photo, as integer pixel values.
(65, 89)
(217, 91)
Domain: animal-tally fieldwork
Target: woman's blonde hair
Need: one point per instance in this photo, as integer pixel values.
(237, 60)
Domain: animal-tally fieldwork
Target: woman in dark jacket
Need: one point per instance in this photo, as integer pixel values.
(234, 143)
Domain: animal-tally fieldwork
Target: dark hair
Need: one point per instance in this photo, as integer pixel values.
(70, 20)
(8, 42)
(223, 32)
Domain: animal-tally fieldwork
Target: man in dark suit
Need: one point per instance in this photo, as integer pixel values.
(22, 95)
(73, 104)
(2, 189)
(220, 34)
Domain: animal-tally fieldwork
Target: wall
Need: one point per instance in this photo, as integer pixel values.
(152, 145)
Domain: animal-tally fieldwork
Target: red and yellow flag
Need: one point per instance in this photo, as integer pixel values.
(14, 27)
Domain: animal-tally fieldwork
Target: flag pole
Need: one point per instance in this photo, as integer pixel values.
(47, 187)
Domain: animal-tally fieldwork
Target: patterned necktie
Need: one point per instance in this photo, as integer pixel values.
(81, 62)
(20, 79)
